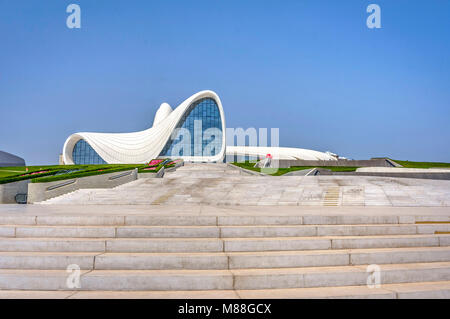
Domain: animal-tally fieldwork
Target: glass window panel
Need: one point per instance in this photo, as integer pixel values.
(83, 153)
(206, 111)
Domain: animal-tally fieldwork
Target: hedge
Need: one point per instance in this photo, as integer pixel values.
(17, 178)
(86, 170)
(84, 173)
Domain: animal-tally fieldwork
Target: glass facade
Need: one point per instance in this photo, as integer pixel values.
(83, 153)
(198, 133)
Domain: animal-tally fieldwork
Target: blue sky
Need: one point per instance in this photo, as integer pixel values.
(311, 68)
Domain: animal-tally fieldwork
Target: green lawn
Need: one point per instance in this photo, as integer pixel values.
(10, 174)
(61, 172)
(409, 164)
(11, 171)
(282, 171)
(90, 170)
(5, 173)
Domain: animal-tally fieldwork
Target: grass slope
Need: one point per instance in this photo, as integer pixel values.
(409, 164)
(61, 172)
(90, 171)
(282, 171)
(13, 174)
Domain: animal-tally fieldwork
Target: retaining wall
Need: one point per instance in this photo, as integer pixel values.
(422, 175)
(159, 174)
(38, 192)
(9, 191)
(378, 162)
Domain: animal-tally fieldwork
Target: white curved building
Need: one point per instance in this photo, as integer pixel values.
(193, 131)
(280, 153)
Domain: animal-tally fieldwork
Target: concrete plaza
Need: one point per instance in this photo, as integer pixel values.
(220, 184)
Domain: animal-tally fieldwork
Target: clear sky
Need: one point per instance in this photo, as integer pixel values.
(310, 67)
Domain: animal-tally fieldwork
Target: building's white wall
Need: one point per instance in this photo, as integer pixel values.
(140, 147)
(279, 153)
(162, 113)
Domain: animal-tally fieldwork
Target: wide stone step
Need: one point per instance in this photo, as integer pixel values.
(173, 245)
(110, 232)
(52, 244)
(338, 276)
(169, 245)
(389, 241)
(219, 231)
(143, 280)
(329, 230)
(46, 260)
(221, 260)
(145, 220)
(334, 242)
(337, 257)
(272, 243)
(422, 290)
(183, 220)
(287, 259)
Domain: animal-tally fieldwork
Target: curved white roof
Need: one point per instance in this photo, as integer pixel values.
(163, 112)
(140, 147)
(281, 153)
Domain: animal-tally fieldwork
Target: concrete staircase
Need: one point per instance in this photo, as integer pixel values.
(142, 256)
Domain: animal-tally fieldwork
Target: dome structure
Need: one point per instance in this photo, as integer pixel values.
(8, 160)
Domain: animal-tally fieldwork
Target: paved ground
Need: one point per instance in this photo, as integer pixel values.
(219, 185)
(391, 220)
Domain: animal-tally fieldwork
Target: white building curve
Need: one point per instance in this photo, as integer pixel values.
(280, 153)
(193, 131)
